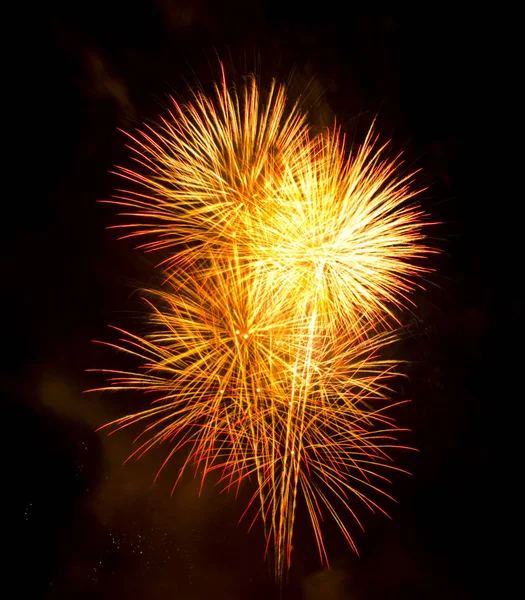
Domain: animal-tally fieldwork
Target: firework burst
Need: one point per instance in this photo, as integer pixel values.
(206, 167)
(286, 259)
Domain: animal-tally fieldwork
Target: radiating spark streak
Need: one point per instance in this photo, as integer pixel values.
(287, 261)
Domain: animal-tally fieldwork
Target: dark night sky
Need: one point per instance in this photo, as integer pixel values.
(92, 528)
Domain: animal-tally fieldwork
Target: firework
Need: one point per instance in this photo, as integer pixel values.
(287, 259)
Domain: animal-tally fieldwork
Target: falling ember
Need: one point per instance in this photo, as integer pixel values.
(287, 259)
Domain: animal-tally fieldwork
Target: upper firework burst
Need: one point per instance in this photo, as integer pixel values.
(240, 170)
(200, 173)
(345, 229)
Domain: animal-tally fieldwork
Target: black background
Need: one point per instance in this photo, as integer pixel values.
(89, 527)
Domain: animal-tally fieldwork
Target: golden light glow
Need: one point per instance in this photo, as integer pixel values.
(287, 259)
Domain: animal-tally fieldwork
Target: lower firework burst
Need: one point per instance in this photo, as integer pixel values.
(264, 346)
(262, 398)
